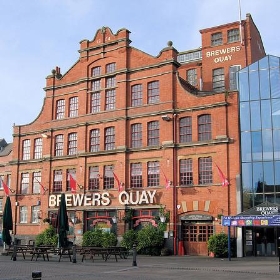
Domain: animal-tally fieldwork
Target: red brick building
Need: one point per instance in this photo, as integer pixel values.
(137, 133)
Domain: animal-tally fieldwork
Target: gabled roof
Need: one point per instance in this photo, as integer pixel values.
(254, 210)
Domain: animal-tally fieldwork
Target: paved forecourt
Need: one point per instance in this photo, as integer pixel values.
(147, 267)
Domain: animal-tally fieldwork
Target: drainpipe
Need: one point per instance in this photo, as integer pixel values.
(175, 234)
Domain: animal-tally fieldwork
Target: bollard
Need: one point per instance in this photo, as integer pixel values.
(74, 254)
(134, 263)
(15, 250)
(36, 275)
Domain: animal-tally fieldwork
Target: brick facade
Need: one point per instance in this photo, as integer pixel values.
(177, 99)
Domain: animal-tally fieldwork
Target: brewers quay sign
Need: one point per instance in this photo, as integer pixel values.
(103, 199)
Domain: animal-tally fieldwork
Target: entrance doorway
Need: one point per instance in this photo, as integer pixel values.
(261, 241)
(195, 237)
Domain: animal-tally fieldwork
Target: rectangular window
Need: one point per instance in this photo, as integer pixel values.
(109, 138)
(94, 177)
(1, 205)
(72, 172)
(110, 68)
(232, 76)
(153, 133)
(60, 109)
(136, 95)
(59, 141)
(73, 107)
(218, 80)
(96, 71)
(23, 214)
(216, 39)
(136, 180)
(204, 127)
(57, 181)
(35, 212)
(153, 173)
(24, 183)
(96, 85)
(26, 149)
(153, 92)
(233, 35)
(110, 82)
(108, 180)
(185, 129)
(94, 140)
(192, 77)
(186, 172)
(72, 144)
(95, 102)
(38, 148)
(205, 171)
(136, 135)
(36, 182)
(110, 99)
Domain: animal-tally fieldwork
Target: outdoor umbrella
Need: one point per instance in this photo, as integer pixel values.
(7, 222)
(62, 225)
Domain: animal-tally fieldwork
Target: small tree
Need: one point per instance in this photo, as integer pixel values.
(47, 237)
(99, 238)
(129, 238)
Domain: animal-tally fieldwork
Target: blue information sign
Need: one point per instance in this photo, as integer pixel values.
(245, 221)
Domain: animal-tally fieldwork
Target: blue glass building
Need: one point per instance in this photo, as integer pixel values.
(259, 108)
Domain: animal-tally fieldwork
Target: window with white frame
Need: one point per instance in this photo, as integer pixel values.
(204, 127)
(35, 214)
(136, 95)
(136, 135)
(36, 182)
(60, 109)
(24, 183)
(217, 39)
(72, 144)
(192, 76)
(136, 180)
(94, 140)
(153, 133)
(110, 99)
(57, 182)
(23, 214)
(95, 102)
(110, 68)
(96, 71)
(110, 138)
(186, 171)
(153, 92)
(108, 179)
(110, 82)
(205, 171)
(185, 129)
(218, 80)
(59, 143)
(153, 173)
(233, 35)
(96, 85)
(38, 148)
(73, 107)
(94, 177)
(26, 149)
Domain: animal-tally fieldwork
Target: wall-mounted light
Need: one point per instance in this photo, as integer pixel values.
(162, 218)
(166, 118)
(44, 135)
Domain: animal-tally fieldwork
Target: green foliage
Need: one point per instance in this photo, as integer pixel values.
(150, 240)
(47, 237)
(99, 238)
(218, 244)
(129, 238)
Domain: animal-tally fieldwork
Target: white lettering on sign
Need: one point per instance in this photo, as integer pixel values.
(268, 210)
(103, 199)
(144, 197)
(223, 55)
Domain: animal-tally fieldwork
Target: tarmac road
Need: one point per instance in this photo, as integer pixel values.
(147, 267)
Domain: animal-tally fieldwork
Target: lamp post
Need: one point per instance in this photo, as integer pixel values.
(74, 221)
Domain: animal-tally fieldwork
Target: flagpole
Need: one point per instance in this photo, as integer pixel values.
(240, 23)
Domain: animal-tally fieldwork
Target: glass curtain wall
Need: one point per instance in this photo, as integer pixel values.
(259, 101)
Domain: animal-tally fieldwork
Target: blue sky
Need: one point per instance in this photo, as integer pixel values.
(38, 35)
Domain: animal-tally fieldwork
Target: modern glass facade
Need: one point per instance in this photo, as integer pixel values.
(259, 100)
